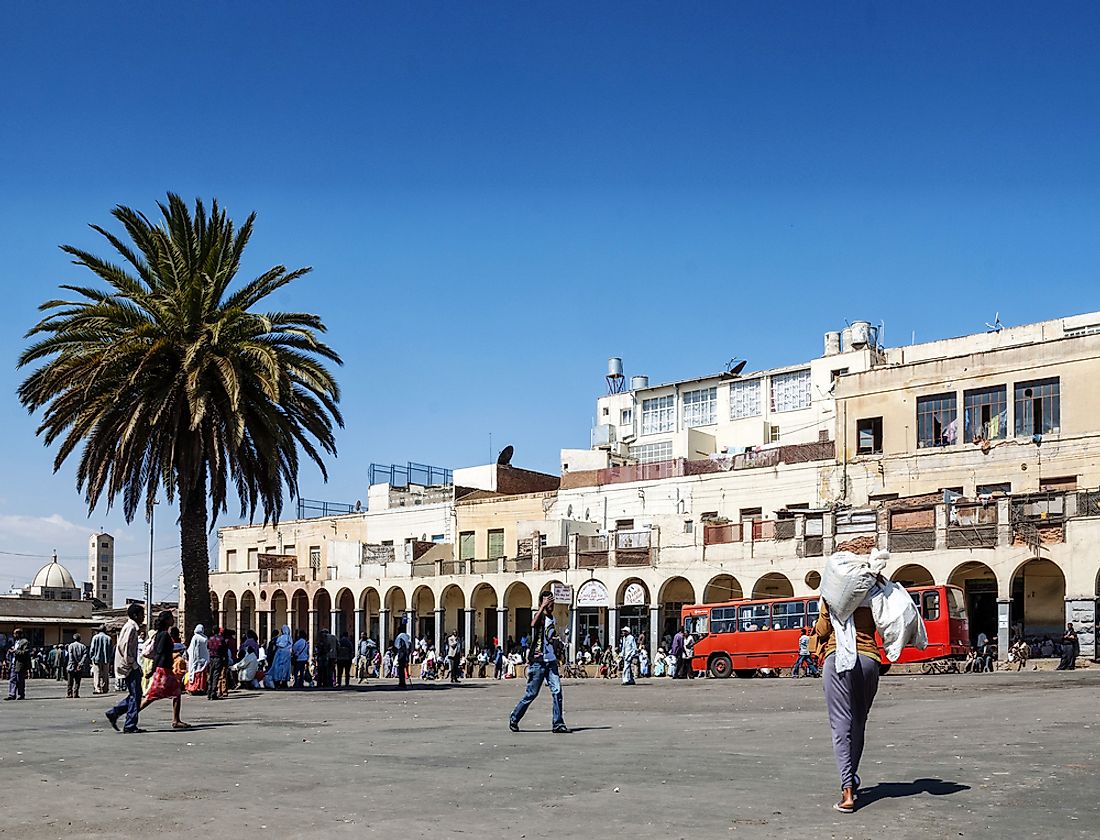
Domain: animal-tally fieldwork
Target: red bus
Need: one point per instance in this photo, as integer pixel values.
(742, 636)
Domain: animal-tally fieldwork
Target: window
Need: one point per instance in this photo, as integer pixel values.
(985, 414)
(834, 375)
(103, 578)
(689, 526)
(437, 538)
(648, 453)
(744, 398)
(956, 605)
(230, 561)
(869, 436)
(753, 617)
(931, 605)
(773, 433)
(606, 411)
(937, 420)
(658, 415)
(103, 568)
(696, 624)
(1038, 407)
(1065, 483)
(1002, 488)
(626, 417)
(723, 620)
(466, 545)
(749, 514)
(315, 556)
(542, 540)
(706, 516)
(288, 549)
(701, 407)
(791, 391)
(104, 545)
(624, 524)
(496, 543)
(789, 615)
(271, 549)
(388, 543)
(253, 558)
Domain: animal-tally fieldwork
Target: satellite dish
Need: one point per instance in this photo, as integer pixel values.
(504, 459)
(733, 368)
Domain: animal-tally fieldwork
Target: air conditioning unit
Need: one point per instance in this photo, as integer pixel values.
(603, 436)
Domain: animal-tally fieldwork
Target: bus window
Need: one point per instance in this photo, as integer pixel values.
(813, 609)
(956, 606)
(723, 619)
(696, 625)
(931, 605)
(753, 617)
(788, 615)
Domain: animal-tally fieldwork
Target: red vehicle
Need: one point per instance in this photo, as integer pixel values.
(742, 636)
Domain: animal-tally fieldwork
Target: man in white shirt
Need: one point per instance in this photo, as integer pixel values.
(628, 652)
(126, 667)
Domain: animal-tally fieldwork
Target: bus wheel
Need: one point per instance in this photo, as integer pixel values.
(720, 666)
(745, 673)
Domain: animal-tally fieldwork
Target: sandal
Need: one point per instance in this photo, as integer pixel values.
(181, 725)
(844, 809)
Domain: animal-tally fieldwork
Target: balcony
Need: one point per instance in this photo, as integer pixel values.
(453, 567)
(554, 558)
(972, 526)
(592, 552)
(486, 567)
(518, 564)
(722, 533)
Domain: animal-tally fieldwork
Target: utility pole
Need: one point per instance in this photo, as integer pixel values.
(149, 585)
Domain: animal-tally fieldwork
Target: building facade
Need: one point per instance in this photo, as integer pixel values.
(973, 460)
(101, 567)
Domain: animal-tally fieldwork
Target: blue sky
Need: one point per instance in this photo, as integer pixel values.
(495, 197)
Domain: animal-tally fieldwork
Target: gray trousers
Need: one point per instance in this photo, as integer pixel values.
(848, 699)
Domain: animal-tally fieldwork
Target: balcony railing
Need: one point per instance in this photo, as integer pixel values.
(452, 567)
(554, 558)
(518, 564)
(592, 551)
(723, 534)
(912, 539)
(784, 529)
(485, 567)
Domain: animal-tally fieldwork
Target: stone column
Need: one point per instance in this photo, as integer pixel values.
(502, 626)
(654, 631)
(333, 623)
(613, 627)
(221, 619)
(1082, 613)
(828, 533)
(383, 630)
(291, 623)
(573, 633)
(941, 527)
(468, 628)
(1004, 522)
(360, 623)
(312, 629)
(1004, 626)
(439, 631)
(410, 624)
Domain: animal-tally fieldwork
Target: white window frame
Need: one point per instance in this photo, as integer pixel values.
(658, 414)
(650, 453)
(745, 399)
(791, 391)
(701, 407)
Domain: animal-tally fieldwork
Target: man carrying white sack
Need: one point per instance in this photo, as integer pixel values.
(857, 601)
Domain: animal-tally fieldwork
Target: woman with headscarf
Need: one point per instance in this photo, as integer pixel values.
(198, 658)
(279, 672)
(165, 684)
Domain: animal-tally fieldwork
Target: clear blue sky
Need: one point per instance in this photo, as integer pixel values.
(497, 196)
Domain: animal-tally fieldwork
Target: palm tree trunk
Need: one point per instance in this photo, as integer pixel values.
(195, 557)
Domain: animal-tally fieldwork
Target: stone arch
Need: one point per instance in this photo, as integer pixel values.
(322, 611)
(229, 608)
(722, 588)
(396, 604)
(674, 594)
(773, 585)
(370, 602)
(483, 601)
(422, 607)
(248, 612)
(913, 574)
(214, 610)
(1039, 598)
(452, 601)
(979, 585)
(344, 606)
(518, 602)
(299, 611)
(280, 606)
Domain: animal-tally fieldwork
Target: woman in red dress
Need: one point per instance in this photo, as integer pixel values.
(165, 684)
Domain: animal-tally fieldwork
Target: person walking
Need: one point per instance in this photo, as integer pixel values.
(628, 652)
(20, 653)
(216, 648)
(403, 644)
(281, 654)
(300, 653)
(804, 658)
(76, 660)
(677, 654)
(850, 688)
(198, 660)
(165, 684)
(101, 656)
(126, 668)
(364, 657)
(542, 666)
(345, 653)
(1068, 662)
(454, 655)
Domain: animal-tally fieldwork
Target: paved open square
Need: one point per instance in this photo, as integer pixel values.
(1001, 755)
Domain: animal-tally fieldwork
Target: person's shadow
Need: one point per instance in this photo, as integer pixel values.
(898, 790)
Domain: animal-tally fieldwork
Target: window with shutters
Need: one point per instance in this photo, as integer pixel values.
(466, 545)
(496, 543)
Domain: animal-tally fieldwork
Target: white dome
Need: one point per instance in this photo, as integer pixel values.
(54, 576)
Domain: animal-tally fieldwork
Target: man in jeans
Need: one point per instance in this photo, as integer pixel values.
(126, 667)
(804, 657)
(542, 665)
(403, 643)
(101, 660)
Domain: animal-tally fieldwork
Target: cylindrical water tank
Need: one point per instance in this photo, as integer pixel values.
(614, 366)
(861, 333)
(832, 343)
(637, 383)
(845, 339)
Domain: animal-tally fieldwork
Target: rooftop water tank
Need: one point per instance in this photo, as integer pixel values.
(637, 383)
(861, 334)
(846, 340)
(614, 366)
(832, 343)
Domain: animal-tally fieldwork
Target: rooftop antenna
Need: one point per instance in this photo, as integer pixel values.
(733, 368)
(996, 326)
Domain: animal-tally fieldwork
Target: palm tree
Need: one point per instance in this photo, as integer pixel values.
(171, 382)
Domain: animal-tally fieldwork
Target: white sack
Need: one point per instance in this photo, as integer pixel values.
(897, 619)
(848, 578)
